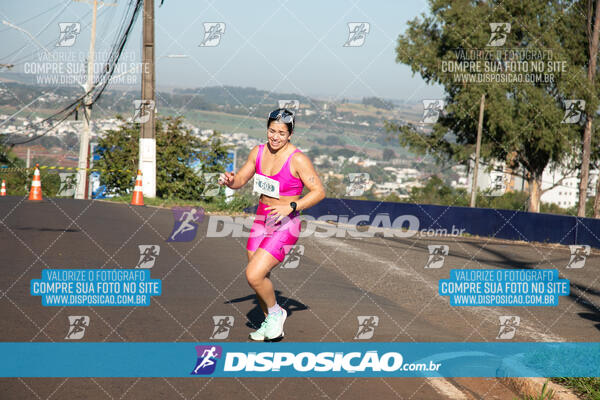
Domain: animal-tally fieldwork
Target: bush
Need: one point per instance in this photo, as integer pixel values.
(176, 150)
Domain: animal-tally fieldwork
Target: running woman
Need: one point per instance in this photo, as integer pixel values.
(281, 171)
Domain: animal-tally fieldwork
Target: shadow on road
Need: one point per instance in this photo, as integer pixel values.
(255, 315)
(29, 228)
(595, 317)
(578, 295)
(497, 257)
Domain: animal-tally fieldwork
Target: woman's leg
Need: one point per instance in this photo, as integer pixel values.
(258, 273)
(271, 251)
(261, 302)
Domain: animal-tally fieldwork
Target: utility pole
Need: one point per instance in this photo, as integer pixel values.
(477, 150)
(28, 158)
(147, 151)
(84, 141)
(587, 132)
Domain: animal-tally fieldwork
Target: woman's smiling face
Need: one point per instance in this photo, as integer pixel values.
(278, 135)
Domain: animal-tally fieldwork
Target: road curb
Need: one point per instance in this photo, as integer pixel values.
(533, 387)
(514, 374)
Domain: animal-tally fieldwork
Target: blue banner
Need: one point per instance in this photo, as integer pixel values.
(95, 287)
(300, 359)
(503, 287)
(487, 222)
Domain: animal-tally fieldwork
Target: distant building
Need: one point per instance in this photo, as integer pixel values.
(408, 173)
(566, 193)
(367, 163)
(495, 178)
(386, 188)
(559, 186)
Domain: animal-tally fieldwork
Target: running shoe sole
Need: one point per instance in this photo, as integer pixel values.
(282, 322)
(264, 339)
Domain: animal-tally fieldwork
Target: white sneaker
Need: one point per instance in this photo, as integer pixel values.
(259, 334)
(274, 325)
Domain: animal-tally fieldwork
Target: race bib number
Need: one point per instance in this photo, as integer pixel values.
(267, 186)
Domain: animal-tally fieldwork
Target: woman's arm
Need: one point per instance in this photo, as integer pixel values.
(309, 177)
(236, 181)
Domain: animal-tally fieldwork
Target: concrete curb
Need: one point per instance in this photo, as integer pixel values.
(530, 385)
(533, 387)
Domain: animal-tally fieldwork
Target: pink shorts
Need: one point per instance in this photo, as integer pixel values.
(277, 239)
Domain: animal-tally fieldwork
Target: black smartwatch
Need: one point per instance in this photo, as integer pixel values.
(293, 205)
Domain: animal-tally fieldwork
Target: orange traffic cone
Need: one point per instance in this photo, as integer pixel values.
(36, 185)
(138, 197)
(3, 189)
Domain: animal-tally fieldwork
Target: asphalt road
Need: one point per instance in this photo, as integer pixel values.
(337, 279)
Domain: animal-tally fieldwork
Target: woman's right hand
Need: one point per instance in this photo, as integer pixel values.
(227, 179)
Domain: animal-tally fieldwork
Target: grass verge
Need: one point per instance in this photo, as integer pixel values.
(236, 205)
(586, 388)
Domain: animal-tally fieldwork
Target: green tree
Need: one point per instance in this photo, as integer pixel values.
(377, 102)
(18, 178)
(331, 140)
(343, 152)
(388, 154)
(593, 37)
(315, 151)
(334, 187)
(595, 164)
(436, 191)
(522, 121)
(176, 148)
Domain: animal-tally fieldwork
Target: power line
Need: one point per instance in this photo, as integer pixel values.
(32, 18)
(53, 42)
(117, 49)
(102, 81)
(67, 4)
(46, 131)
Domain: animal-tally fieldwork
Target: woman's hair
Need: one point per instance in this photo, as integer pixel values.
(284, 116)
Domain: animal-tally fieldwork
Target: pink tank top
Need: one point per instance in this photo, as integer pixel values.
(289, 185)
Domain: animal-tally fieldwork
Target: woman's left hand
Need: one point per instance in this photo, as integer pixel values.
(279, 211)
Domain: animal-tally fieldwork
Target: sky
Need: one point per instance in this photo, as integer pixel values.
(279, 46)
